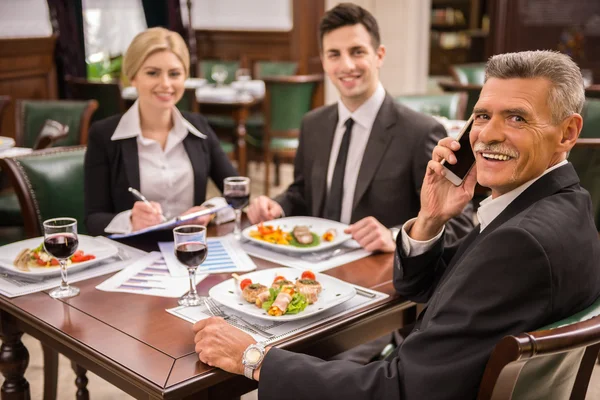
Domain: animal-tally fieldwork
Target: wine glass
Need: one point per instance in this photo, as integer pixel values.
(242, 75)
(191, 251)
(219, 74)
(61, 241)
(236, 190)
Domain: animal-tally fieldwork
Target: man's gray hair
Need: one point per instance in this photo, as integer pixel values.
(567, 94)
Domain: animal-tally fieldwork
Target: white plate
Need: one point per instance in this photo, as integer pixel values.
(194, 83)
(6, 143)
(334, 292)
(88, 244)
(316, 225)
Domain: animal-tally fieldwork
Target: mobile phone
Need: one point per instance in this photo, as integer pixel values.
(465, 159)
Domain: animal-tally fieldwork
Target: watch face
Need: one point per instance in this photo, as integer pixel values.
(252, 356)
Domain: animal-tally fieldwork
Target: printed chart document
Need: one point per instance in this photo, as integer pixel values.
(170, 224)
(149, 276)
(225, 254)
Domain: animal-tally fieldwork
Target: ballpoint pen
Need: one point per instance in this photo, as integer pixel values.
(141, 197)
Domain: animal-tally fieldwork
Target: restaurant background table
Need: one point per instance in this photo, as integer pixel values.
(133, 343)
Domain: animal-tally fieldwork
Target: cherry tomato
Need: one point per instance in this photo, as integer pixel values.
(40, 262)
(308, 275)
(279, 278)
(88, 257)
(54, 262)
(244, 283)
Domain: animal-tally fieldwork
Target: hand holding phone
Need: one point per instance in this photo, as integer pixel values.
(465, 158)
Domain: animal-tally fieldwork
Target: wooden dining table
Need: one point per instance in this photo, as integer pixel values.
(132, 342)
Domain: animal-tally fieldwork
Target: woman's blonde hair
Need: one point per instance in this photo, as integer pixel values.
(150, 41)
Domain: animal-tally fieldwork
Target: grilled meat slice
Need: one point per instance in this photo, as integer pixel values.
(302, 234)
(251, 292)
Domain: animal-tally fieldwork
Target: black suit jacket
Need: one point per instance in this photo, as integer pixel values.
(111, 167)
(391, 172)
(536, 263)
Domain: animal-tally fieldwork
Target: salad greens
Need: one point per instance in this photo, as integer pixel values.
(297, 304)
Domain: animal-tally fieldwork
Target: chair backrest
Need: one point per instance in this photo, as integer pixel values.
(51, 132)
(32, 114)
(287, 100)
(49, 184)
(107, 94)
(207, 65)
(552, 363)
(188, 101)
(585, 157)
(274, 68)
(591, 119)
(451, 106)
(468, 74)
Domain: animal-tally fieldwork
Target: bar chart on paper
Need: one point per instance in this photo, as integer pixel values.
(149, 276)
(224, 255)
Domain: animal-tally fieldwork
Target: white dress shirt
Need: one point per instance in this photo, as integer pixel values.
(166, 176)
(364, 117)
(488, 210)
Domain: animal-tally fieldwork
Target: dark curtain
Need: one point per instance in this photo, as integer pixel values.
(67, 22)
(167, 13)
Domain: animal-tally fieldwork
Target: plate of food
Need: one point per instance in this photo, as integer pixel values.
(282, 294)
(298, 234)
(28, 257)
(6, 143)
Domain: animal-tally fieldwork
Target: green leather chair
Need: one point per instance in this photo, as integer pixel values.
(451, 106)
(468, 78)
(107, 94)
(48, 184)
(287, 99)
(274, 68)
(32, 114)
(591, 119)
(552, 363)
(230, 66)
(585, 157)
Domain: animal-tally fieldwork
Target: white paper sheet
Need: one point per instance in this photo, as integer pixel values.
(224, 255)
(149, 276)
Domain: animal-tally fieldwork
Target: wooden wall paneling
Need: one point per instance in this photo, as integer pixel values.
(518, 25)
(245, 46)
(27, 71)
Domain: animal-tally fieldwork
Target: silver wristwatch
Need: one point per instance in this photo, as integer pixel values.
(252, 358)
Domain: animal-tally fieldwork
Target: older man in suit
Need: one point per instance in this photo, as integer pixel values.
(360, 161)
(532, 261)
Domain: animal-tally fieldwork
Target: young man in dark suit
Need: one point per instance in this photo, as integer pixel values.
(362, 160)
(533, 260)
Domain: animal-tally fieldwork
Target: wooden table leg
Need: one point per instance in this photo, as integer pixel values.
(14, 359)
(81, 382)
(240, 117)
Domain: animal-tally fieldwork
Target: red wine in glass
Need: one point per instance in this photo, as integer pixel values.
(237, 199)
(61, 245)
(191, 254)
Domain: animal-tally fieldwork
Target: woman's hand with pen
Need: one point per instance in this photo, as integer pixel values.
(145, 214)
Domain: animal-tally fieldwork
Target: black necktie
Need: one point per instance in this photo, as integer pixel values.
(333, 205)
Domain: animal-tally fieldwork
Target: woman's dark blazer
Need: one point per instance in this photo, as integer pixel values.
(111, 167)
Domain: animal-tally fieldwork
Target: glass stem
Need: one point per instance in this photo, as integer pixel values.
(237, 230)
(63, 274)
(192, 273)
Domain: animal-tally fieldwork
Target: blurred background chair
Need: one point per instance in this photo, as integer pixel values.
(49, 184)
(591, 119)
(107, 94)
(32, 114)
(188, 101)
(552, 363)
(468, 78)
(585, 157)
(206, 67)
(287, 99)
(451, 106)
(274, 68)
(4, 103)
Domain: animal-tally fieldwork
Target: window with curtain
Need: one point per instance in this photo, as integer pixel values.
(109, 27)
(24, 18)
